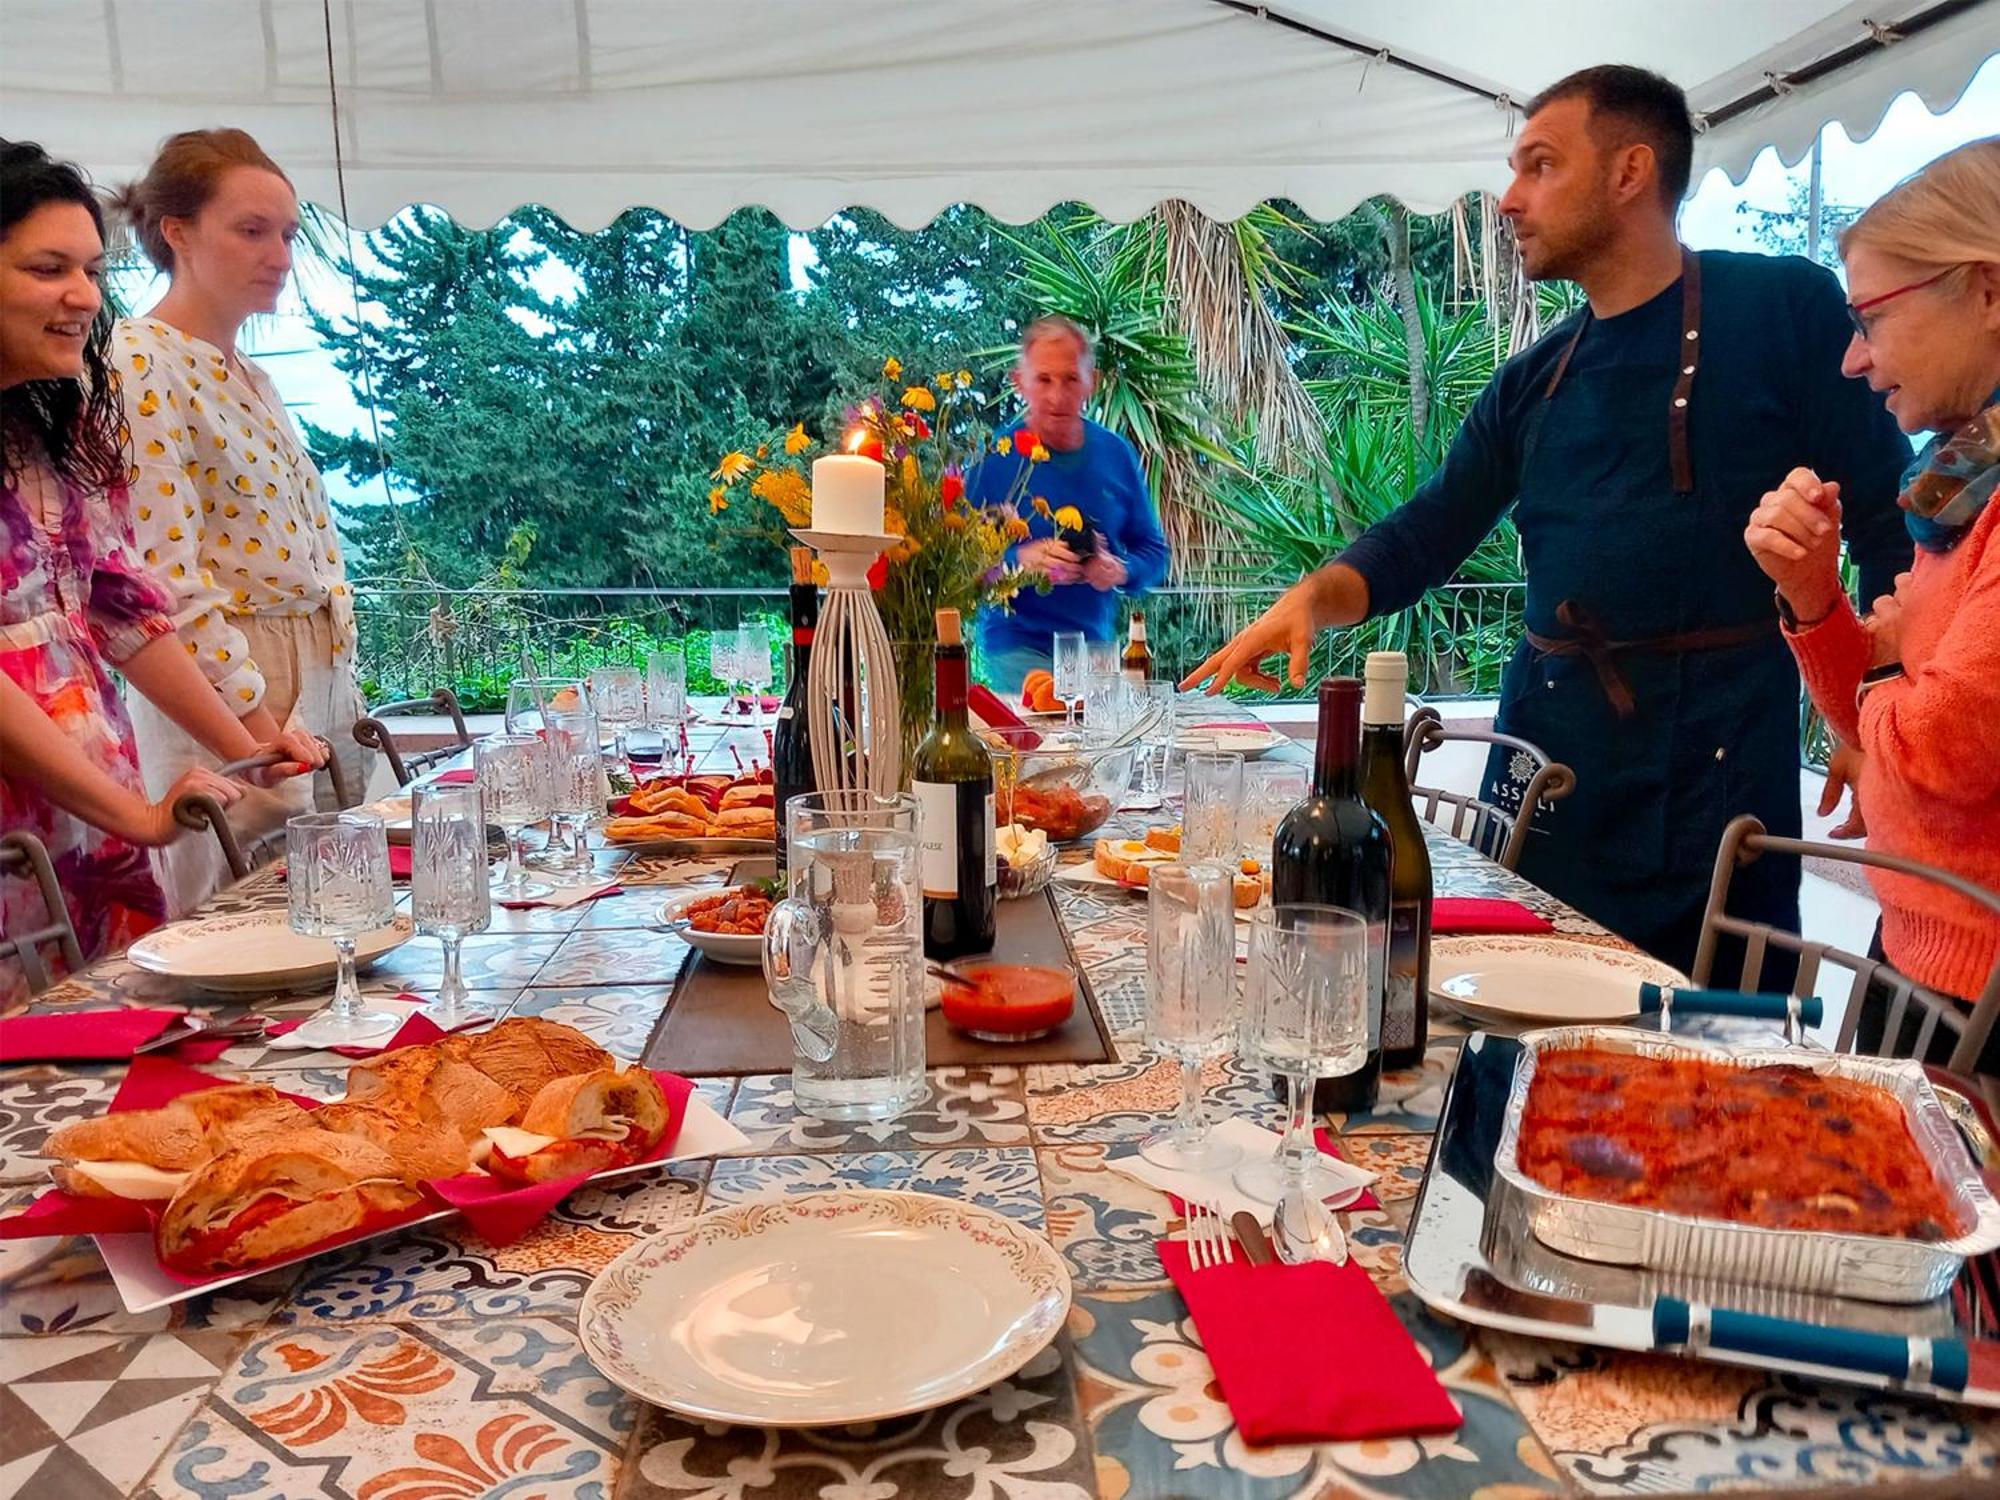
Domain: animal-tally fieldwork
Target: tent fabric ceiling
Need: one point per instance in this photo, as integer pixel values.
(808, 107)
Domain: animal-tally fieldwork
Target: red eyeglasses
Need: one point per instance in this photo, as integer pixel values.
(1856, 309)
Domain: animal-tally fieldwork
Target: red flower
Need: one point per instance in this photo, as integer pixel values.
(1026, 441)
(919, 428)
(951, 489)
(871, 447)
(878, 571)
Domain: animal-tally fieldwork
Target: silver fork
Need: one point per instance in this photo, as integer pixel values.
(1207, 1236)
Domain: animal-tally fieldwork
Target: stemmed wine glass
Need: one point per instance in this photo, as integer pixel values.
(1213, 793)
(1190, 999)
(753, 665)
(337, 882)
(514, 770)
(618, 696)
(530, 698)
(666, 696)
(722, 664)
(1305, 1018)
(449, 899)
(1072, 665)
(576, 765)
(1158, 699)
(1106, 702)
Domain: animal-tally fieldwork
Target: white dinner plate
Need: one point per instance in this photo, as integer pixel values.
(723, 947)
(1251, 744)
(1518, 979)
(824, 1309)
(252, 952)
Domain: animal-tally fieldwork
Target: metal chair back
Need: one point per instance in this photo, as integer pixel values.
(371, 733)
(22, 854)
(198, 810)
(1492, 830)
(1745, 841)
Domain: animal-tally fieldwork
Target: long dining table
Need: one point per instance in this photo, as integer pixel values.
(430, 1364)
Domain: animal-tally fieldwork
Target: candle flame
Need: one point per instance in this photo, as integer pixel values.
(855, 438)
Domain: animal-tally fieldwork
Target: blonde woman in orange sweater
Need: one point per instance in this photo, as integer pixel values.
(1916, 685)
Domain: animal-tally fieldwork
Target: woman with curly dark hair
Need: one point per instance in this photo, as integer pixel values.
(74, 599)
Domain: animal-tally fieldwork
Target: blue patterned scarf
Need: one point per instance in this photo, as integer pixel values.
(1952, 479)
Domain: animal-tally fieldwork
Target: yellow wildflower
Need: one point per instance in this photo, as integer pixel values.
(1039, 456)
(1014, 529)
(893, 522)
(1041, 508)
(718, 500)
(786, 491)
(763, 452)
(913, 474)
(1004, 447)
(892, 368)
(1069, 518)
(963, 379)
(954, 520)
(919, 398)
(942, 380)
(796, 440)
(820, 575)
(733, 467)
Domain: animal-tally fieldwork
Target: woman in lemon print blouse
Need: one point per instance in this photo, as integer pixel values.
(228, 508)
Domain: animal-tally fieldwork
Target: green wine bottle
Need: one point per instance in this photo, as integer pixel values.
(1386, 790)
(952, 777)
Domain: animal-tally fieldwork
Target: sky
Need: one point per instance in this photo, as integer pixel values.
(1853, 172)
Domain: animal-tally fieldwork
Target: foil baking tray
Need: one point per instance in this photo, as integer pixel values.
(1880, 1268)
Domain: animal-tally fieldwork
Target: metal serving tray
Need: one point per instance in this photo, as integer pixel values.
(1880, 1267)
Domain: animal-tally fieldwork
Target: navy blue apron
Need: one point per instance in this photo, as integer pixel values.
(1663, 684)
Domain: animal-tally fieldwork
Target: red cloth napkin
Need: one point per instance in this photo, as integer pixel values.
(1250, 724)
(81, 1035)
(503, 1213)
(399, 863)
(1282, 1388)
(461, 777)
(609, 890)
(1482, 914)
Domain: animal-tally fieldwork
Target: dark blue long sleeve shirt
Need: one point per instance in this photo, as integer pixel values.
(1103, 480)
(1769, 397)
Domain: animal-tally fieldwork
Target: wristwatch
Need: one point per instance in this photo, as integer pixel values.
(1790, 616)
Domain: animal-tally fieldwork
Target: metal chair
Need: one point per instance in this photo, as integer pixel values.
(198, 810)
(371, 733)
(1493, 831)
(1743, 842)
(22, 854)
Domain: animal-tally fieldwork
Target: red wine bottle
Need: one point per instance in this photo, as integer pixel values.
(791, 748)
(1386, 789)
(952, 777)
(1332, 850)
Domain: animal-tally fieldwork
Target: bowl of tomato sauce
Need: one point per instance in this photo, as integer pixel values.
(1002, 1002)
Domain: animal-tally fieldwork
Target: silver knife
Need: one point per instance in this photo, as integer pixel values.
(1250, 1235)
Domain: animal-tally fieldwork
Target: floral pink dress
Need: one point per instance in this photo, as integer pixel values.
(74, 597)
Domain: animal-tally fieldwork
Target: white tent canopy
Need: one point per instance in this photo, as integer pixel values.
(698, 107)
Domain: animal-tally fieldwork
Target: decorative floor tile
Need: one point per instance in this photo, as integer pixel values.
(964, 1106)
(631, 956)
(508, 1406)
(1622, 1423)
(1160, 1425)
(87, 1414)
(1020, 1437)
(33, 1102)
(1105, 1223)
(446, 1271)
(1126, 1101)
(1003, 1179)
(490, 963)
(1396, 1160)
(54, 1286)
(619, 1019)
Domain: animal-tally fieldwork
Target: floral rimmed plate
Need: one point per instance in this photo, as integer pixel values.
(1511, 980)
(252, 952)
(825, 1309)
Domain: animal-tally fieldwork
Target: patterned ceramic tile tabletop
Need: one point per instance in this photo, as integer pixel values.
(432, 1366)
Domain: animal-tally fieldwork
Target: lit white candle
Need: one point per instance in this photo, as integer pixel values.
(847, 494)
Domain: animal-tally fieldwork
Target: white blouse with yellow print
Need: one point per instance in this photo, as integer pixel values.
(227, 506)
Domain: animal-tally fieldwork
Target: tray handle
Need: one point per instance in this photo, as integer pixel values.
(1943, 1363)
(1791, 1009)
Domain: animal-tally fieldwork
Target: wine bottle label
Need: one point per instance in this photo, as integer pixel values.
(1399, 997)
(785, 712)
(937, 837)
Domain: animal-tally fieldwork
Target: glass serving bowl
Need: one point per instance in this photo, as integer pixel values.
(1031, 878)
(1064, 782)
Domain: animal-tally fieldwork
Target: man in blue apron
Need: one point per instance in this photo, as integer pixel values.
(1633, 441)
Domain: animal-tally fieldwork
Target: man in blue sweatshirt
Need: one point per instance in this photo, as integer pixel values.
(1118, 549)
